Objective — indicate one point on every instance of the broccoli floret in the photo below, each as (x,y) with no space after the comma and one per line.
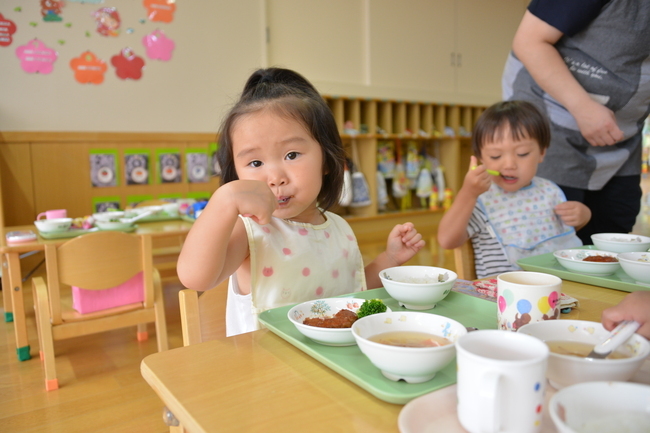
(371,306)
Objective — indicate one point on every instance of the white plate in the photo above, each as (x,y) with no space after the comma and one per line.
(436,412)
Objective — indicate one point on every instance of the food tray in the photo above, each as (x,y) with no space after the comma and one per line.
(350,363)
(548,263)
(71,233)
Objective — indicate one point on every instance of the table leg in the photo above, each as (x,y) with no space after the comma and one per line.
(17,300)
(6,292)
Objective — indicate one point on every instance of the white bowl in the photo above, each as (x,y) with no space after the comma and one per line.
(54,225)
(325,308)
(411,364)
(573,261)
(620,242)
(602,407)
(566,370)
(113,225)
(417,287)
(108,216)
(637,266)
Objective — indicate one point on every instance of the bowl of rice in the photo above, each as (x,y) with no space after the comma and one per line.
(418,287)
(621,242)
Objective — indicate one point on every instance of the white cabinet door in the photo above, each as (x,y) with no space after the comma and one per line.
(484,39)
(411,42)
(322,40)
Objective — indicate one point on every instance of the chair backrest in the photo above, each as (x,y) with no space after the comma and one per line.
(203,314)
(464,260)
(96,261)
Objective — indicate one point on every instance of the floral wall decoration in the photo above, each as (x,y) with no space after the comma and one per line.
(35,56)
(88,68)
(7,29)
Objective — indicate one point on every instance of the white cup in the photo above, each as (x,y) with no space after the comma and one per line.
(527,297)
(501,380)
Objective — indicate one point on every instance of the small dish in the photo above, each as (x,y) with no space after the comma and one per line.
(113,225)
(573,260)
(418,287)
(637,266)
(325,308)
(621,242)
(602,407)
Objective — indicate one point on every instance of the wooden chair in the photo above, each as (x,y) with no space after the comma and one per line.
(95,261)
(203,315)
(464,260)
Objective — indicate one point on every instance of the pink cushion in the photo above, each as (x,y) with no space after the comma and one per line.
(129,292)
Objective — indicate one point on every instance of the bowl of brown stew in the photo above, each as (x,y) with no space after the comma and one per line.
(589,262)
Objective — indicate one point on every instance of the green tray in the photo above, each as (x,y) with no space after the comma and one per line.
(548,263)
(71,233)
(350,363)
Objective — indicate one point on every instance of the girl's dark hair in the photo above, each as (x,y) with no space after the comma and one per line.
(289,94)
(523,118)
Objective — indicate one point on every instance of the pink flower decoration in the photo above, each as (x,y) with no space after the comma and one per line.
(35,56)
(158,45)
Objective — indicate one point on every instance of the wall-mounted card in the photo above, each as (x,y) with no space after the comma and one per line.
(136,166)
(215,168)
(105,204)
(169,166)
(196,162)
(103,167)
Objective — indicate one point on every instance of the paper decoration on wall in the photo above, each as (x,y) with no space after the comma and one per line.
(158,45)
(107,21)
(88,68)
(215,168)
(127,64)
(7,28)
(136,166)
(103,168)
(105,204)
(160,10)
(196,162)
(86,1)
(51,10)
(35,56)
(169,166)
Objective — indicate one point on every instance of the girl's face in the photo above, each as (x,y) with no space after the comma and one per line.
(516,160)
(280,152)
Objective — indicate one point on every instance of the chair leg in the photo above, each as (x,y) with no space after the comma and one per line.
(159,308)
(143,335)
(45,333)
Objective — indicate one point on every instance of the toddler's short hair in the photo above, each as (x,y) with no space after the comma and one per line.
(523,118)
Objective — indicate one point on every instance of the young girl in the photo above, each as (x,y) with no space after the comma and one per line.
(267,227)
(506,210)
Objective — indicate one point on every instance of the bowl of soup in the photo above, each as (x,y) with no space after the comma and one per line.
(418,287)
(570,341)
(408,345)
(621,242)
(589,262)
(601,407)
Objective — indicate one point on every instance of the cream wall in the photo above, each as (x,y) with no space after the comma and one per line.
(390,49)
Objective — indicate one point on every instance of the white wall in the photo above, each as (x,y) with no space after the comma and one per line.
(388,49)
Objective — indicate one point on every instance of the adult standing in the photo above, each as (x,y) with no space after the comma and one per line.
(586,64)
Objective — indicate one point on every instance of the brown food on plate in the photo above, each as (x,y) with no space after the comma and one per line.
(600,259)
(342,319)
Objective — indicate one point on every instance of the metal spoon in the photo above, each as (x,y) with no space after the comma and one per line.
(618,336)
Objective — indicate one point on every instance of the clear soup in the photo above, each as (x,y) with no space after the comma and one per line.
(580,350)
(409,339)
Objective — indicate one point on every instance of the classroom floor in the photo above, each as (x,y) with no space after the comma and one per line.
(101,386)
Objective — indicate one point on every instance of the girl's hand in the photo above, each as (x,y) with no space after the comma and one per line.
(635,306)
(252,198)
(573,213)
(477,180)
(403,243)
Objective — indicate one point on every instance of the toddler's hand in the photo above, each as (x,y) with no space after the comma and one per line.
(635,306)
(573,213)
(477,180)
(404,242)
(253,198)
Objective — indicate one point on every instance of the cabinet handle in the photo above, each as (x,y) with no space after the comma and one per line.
(459,59)
(453,59)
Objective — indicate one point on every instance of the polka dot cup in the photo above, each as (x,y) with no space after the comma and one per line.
(501,380)
(527,297)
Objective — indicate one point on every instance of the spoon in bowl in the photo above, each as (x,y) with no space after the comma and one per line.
(618,336)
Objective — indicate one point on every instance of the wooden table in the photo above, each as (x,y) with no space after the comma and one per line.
(259,382)
(12,287)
